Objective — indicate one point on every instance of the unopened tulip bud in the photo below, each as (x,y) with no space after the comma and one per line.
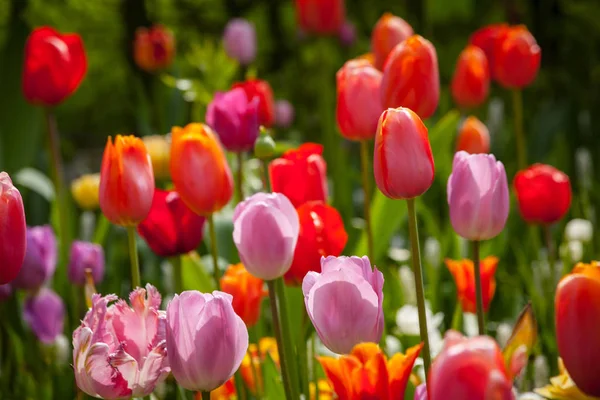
(264,147)
(85,255)
(13,236)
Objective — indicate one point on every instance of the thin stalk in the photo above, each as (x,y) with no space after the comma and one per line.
(239,182)
(303,363)
(551,253)
(418,271)
(177,274)
(278,338)
(266,180)
(457,318)
(133,256)
(365,162)
(213,250)
(286,336)
(478,290)
(239,385)
(205,395)
(313,353)
(519,133)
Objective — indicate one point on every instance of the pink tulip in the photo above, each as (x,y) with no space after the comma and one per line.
(478,196)
(265,231)
(421,392)
(120,351)
(206,339)
(284,113)
(44,312)
(345,302)
(40,258)
(13,240)
(239,41)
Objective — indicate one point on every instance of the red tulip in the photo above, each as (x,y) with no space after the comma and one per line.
(358,99)
(171,228)
(543,194)
(301,174)
(411,78)
(517,58)
(322,234)
(323,17)
(13,230)
(473,137)
(577,312)
(154,48)
(389,31)
(486,38)
(403,163)
(54,66)
(463,272)
(262,90)
(471,80)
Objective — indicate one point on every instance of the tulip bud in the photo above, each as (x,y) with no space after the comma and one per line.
(477,196)
(206,340)
(284,113)
(239,41)
(40,258)
(486,39)
(403,163)
(85,191)
(265,232)
(322,17)
(247,291)
(471,80)
(264,147)
(44,313)
(463,272)
(266,103)
(473,137)
(353,293)
(159,149)
(517,58)
(13,236)
(388,32)
(154,48)
(85,255)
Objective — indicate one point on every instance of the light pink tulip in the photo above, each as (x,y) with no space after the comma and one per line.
(239,41)
(265,232)
(206,339)
(120,351)
(478,196)
(345,302)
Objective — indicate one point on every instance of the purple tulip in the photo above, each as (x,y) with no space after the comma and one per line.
(284,113)
(239,41)
(478,196)
(40,258)
(86,255)
(235,119)
(206,339)
(5,291)
(345,302)
(44,312)
(265,232)
(347,34)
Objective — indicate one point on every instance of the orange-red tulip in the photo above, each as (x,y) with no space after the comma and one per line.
(321,17)
(154,48)
(473,137)
(517,58)
(387,33)
(126,181)
(199,169)
(577,312)
(486,38)
(411,78)
(366,373)
(471,80)
(247,291)
(463,272)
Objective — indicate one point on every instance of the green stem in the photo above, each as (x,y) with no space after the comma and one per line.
(478,290)
(239,385)
(457,318)
(315,375)
(177,274)
(519,134)
(239,192)
(303,362)
(278,338)
(551,254)
(365,162)
(266,180)
(213,250)
(286,336)
(418,271)
(133,256)
(205,395)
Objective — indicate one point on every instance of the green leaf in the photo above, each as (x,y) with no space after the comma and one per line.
(37,181)
(441,137)
(195,275)
(272,378)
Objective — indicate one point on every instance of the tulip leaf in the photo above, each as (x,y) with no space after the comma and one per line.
(524,334)
(273,384)
(37,181)
(195,275)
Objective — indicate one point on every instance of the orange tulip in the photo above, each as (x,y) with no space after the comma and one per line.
(471,80)
(126,181)
(463,272)
(199,169)
(366,373)
(387,33)
(154,48)
(323,388)
(577,312)
(247,292)
(517,57)
(473,137)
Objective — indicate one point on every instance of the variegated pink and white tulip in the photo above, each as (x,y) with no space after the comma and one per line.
(120,351)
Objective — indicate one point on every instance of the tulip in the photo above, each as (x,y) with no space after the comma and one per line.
(517,58)
(13,231)
(171,228)
(239,41)
(322,234)
(154,48)
(85,191)
(473,137)
(411,78)
(40,258)
(300,174)
(195,149)
(347,34)
(577,329)
(421,392)
(464,276)
(54,66)
(388,32)
(366,373)
(266,104)
(320,17)
(120,351)
(403,163)
(206,340)
(562,387)
(358,99)
(85,255)
(247,291)
(284,113)
(44,313)
(126,181)
(478,196)
(353,293)
(235,119)
(265,232)
(471,80)
(486,39)
(543,194)
(469,369)
(159,149)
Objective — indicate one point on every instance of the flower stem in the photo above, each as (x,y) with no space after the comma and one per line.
(205,395)
(550,250)
(519,134)
(239,384)
(365,162)
(278,338)
(286,336)
(177,274)
(478,290)
(266,180)
(239,192)
(418,271)
(213,250)
(133,256)
(313,353)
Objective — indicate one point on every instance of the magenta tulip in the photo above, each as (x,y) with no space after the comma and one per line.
(85,255)
(40,258)
(13,239)
(345,302)
(44,312)
(239,41)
